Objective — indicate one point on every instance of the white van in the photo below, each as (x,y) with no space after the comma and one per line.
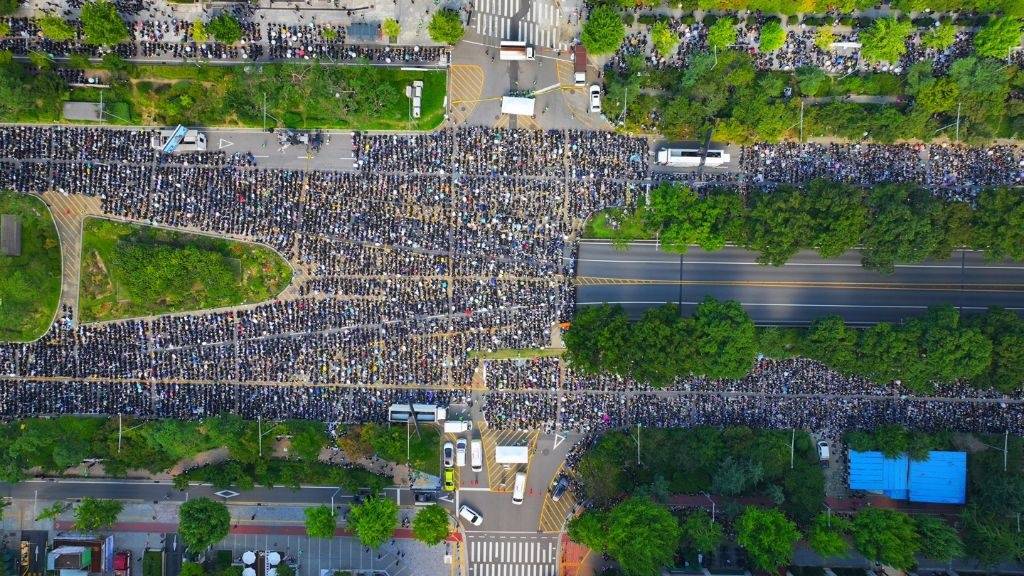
(519,488)
(476,455)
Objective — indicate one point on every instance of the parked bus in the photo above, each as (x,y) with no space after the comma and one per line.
(690,157)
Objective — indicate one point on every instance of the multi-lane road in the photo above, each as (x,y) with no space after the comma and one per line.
(806,288)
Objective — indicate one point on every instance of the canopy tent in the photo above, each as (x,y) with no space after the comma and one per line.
(517,105)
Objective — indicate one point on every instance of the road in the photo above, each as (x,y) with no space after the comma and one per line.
(806,288)
(163,491)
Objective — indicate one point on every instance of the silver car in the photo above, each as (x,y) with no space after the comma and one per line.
(449,455)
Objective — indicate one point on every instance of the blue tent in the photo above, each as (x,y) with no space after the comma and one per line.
(940,479)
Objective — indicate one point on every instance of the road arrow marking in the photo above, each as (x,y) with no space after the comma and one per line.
(222,144)
(558,440)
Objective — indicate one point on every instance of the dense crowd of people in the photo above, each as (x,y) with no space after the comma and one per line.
(436,247)
(800,48)
(165,37)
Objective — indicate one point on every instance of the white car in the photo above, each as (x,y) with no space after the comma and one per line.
(595,99)
(470,515)
(449,455)
(460,452)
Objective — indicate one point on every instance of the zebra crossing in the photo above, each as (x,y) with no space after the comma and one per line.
(539,27)
(512,557)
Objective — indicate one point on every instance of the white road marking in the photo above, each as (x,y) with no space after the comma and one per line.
(222,144)
(794,305)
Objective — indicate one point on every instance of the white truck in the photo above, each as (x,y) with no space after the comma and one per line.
(515,50)
(579,65)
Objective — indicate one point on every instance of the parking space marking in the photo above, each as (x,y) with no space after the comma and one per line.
(553,514)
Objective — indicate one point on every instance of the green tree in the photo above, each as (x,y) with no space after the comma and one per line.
(998,37)
(725,339)
(225,28)
(824,38)
(603,32)
(8,7)
(804,489)
(778,225)
(701,533)
(939,37)
(446,27)
(991,538)
(391,28)
(658,346)
(589,529)
(598,340)
(722,34)
(885,40)
(40,60)
(772,37)
(999,224)
(52,512)
(55,28)
(191,569)
(202,523)
(101,24)
(827,536)
(900,230)
(374,521)
(642,536)
(93,514)
(664,39)
(198,32)
(767,536)
(839,217)
(321,522)
(831,341)
(812,81)
(307,440)
(886,536)
(430,525)
(735,476)
(939,541)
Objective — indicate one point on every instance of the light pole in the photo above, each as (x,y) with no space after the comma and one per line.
(710,499)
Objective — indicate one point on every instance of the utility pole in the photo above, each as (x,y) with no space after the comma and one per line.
(407,440)
(1006,446)
(264,111)
(119,414)
(637,443)
(259,431)
(958,105)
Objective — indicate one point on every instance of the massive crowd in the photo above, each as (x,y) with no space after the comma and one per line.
(162,36)
(800,48)
(436,247)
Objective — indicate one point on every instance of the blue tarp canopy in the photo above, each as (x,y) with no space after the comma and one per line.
(940,479)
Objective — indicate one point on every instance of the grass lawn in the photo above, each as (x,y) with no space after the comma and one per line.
(297,96)
(152,563)
(599,227)
(313,95)
(133,270)
(30,283)
(520,354)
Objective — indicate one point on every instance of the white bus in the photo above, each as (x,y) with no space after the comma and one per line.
(192,141)
(515,50)
(690,157)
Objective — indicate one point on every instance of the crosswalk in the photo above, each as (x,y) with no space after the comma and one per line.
(538,26)
(513,557)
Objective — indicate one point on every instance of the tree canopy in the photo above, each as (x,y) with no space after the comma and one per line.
(603,32)
(430,525)
(939,540)
(101,24)
(664,39)
(642,536)
(939,37)
(225,28)
(886,536)
(998,37)
(374,521)
(446,27)
(885,40)
(321,522)
(772,37)
(700,532)
(93,514)
(767,536)
(827,535)
(55,28)
(202,523)
(722,33)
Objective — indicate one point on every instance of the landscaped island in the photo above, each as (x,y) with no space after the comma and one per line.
(133,270)
(29,282)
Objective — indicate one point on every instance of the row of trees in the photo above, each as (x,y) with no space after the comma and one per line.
(643,536)
(101,25)
(374,520)
(720,341)
(891,224)
(793,7)
(55,444)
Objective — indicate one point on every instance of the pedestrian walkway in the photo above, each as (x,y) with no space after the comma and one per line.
(493,555)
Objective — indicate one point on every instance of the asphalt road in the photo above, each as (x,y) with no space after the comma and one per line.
(337,155)
(805,288)
(151,490)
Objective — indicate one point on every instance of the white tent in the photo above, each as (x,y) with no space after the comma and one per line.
(517,105)
(511,454)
